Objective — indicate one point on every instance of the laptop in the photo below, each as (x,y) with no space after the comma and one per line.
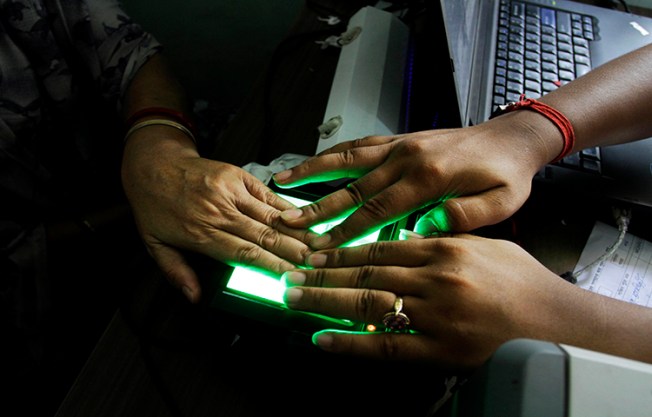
(499,49)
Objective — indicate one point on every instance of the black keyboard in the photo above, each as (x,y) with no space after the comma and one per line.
(540,49)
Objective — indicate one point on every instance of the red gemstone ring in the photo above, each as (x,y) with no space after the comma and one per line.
(396,321)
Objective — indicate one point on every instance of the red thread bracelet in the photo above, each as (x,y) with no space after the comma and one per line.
(555,116)
(162,111)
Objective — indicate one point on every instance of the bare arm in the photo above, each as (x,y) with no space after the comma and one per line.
(182,201)
(465,296)
(479,175)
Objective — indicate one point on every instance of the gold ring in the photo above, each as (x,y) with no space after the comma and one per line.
(396,320)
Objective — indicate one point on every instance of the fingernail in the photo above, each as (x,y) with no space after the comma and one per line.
(291,214)
(294,278)
(316,260)
(283,175)
(292,296)
(321,241)
(323,340)
(188,293)
(405,234)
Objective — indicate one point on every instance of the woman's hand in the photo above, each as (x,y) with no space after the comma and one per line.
(474,176)
(183,201)
(464,296)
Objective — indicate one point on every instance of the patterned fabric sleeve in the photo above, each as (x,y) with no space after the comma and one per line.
(111,44)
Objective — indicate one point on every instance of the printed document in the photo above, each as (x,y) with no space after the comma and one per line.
(626,274)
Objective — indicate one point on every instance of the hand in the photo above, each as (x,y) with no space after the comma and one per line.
(464,295)
(182,201)
(475,176)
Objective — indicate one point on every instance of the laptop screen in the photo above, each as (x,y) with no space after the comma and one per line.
(461,20)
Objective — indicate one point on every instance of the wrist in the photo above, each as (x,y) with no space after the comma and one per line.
(160,116)
(553,116)
(530,136)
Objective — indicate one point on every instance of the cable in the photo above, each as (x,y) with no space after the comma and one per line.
(611,4)
(622,217)
(625,6)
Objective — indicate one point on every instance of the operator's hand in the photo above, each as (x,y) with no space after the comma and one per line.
(183,201)
(464,296)
(474,176)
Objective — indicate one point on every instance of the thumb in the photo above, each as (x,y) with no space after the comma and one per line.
(177,271)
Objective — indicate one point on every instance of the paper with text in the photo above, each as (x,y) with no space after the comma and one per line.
(625,275)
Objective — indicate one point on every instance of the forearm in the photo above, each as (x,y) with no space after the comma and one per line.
(149,151)
(155,86)
(592,321)
(610,104)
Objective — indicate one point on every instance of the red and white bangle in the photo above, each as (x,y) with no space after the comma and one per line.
(555,116)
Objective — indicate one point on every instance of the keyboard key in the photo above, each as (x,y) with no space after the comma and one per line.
(548,47)
(564,38)
(580,42)
(518,9)
(566,75)
(512,97)
(572,160)
(533,76)
(515,66)
(564,22)
(565,47)
(514,87)
(566,66)
(591,166)
(579,59)
(581,69)
(565,56)
(532,65)
(549,67)
(548,57)
(548,17)
(533,86)
(591,153)
(581,50)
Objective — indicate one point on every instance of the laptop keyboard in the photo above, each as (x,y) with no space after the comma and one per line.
(540,49)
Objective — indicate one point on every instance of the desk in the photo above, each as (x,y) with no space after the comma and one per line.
(162,357)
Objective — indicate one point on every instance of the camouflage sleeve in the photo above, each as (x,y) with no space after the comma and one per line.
(113,46)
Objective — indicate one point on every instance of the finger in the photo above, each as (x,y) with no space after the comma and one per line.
(462,214)
(385,346)
(335,204)
(397,253)
(266,206)
(351,163)
(237,251)
(374,211)
(260,224)
(367,306)
(358,143)
(391,203)
(364,306)
(266,195)
(366,277)
(176,270)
